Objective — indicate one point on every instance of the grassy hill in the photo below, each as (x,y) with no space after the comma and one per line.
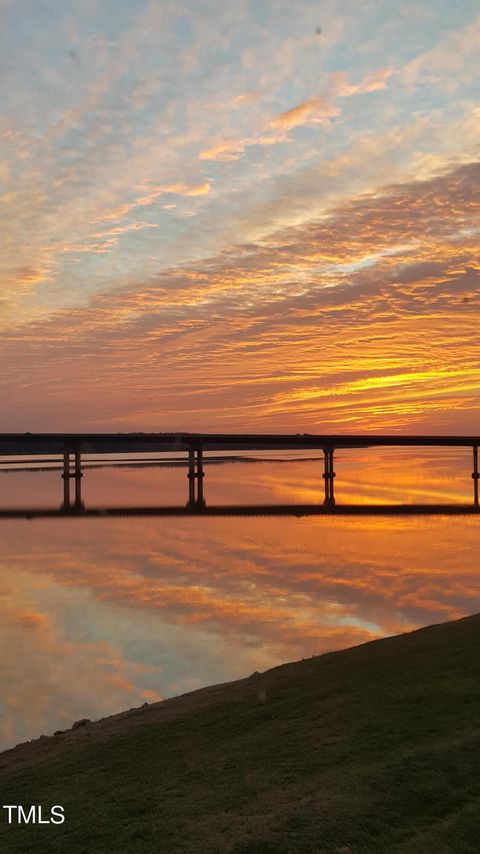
(372,749)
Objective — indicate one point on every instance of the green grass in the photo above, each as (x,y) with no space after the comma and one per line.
(369,750)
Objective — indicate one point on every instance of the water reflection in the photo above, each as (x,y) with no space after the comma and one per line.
(384,476)
(101,615)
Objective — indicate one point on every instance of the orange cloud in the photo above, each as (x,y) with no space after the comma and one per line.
(372,82)
(175,189)
(229,150)
(319,109)
(234,149)
(189,190)
(155,193)
(316,110)
(123,229)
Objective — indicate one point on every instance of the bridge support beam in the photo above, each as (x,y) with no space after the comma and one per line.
(195,478)
(475,475)
(328,477)
(66,480)
(200,476)
(191,478)
(67,475)
(78,480)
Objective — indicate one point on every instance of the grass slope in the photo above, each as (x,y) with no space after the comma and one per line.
(372,749)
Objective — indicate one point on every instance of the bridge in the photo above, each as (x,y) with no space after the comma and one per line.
(71,447)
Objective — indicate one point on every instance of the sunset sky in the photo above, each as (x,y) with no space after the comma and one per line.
(240,215)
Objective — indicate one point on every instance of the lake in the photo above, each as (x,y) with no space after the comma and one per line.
(100,615)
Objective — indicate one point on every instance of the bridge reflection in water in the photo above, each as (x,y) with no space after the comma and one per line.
(298,510)
(71,447)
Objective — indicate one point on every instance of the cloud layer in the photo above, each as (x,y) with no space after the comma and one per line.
(364,319)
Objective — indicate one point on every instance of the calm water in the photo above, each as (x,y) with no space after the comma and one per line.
(99,615)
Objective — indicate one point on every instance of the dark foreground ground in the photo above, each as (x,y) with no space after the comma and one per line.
(373,749)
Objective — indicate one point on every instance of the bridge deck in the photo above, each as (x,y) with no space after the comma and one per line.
(111,443)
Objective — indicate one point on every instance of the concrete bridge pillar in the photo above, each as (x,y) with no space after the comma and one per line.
(328,477)
(195,478)
(191,478)
(66,480)
(67,475)
(475,475)
(78,480)
(200,476)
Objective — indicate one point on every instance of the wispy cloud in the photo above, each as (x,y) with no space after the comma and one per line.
(317,110)
(448,63)
(314,110)
(296,195)
(374,81)
(365,315)
(155,193)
